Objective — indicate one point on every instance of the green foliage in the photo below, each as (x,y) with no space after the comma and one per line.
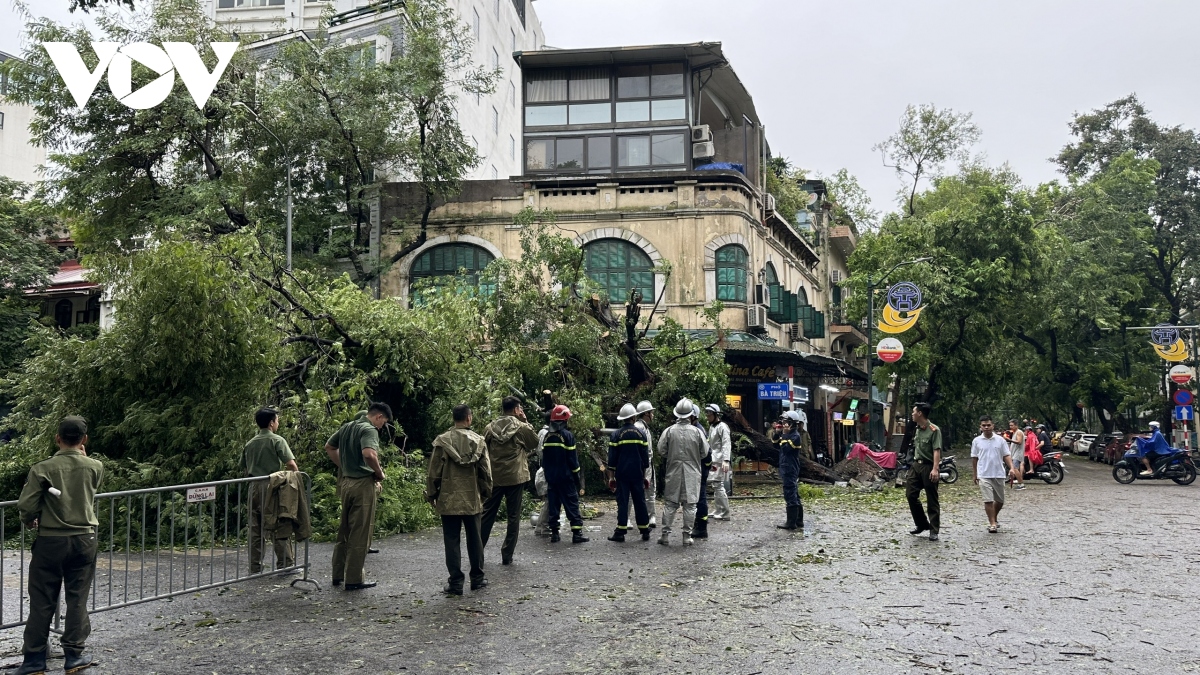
(928,139)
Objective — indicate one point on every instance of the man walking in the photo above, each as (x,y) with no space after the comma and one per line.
(57,502)
(354,449)
(683,448)
(628,455)
(990,458)
(263,455)
(509,440)
(925,474)
(564,481)
(721,448)
(459,480)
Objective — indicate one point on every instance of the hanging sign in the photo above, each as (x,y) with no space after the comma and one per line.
(1181,374)
(890,350)
(903,308)
(1168,344)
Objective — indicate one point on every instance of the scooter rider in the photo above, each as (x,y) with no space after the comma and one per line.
(1153,444)
(628,456)
(790,446)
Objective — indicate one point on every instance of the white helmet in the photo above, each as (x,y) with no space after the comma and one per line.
(695,411)
(627,411)
(713,408)
(644,407)
(683,408)
(1155,425)
(795,416)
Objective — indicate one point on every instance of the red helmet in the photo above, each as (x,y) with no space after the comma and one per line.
(561,413)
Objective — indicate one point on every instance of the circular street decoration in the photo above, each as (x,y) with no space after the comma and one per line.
(904,296)
(1180,374)
(1164,335)
(889,350)
(1183,397)
(1176,352)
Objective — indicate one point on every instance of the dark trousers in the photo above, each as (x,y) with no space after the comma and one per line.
(790,475)
(918,479)
(632,486)
(511,494)
(702,503)
(60,561)
(354,531)
(452,526)
(564,495)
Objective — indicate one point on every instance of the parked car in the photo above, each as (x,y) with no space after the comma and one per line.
(1083,444)
(1056,439)
(1097,451)
(1067,442)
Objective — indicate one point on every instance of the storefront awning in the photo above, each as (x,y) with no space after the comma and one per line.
(826,367)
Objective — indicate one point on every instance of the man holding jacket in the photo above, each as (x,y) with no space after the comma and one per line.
(509,440)
(459,480)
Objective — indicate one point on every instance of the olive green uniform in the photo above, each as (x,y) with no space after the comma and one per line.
(263,455)
(356,488)
(64,553)
(925,441)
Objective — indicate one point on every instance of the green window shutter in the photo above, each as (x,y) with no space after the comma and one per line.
(818,324)
(775,309)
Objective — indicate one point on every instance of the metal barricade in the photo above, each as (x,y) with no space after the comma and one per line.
(161,542)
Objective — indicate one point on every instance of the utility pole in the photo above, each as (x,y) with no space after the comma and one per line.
(871,285)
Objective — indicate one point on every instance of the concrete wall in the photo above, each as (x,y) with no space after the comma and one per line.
(19,157)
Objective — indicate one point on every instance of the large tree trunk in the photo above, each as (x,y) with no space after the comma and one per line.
(764,450)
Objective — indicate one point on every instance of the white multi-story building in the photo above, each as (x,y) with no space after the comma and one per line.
(499,28)
(20,158)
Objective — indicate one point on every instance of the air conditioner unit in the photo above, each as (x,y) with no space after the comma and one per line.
(836,276)
(770,202)
(756,316)
(705,150)
(701,133)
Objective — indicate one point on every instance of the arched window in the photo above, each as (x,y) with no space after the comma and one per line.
(448,260)
(731,273)
(801,297)
(64,311)
(619,267)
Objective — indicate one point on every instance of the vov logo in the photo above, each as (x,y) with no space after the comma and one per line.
(117,60)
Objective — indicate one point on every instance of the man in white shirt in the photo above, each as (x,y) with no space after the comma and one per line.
(989,459)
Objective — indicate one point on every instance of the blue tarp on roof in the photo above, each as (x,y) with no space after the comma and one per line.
(722,166)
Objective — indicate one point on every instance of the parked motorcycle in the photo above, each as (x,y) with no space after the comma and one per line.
(948,469)
(824,459)
(1177,466)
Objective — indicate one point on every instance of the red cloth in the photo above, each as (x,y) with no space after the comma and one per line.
(887,460)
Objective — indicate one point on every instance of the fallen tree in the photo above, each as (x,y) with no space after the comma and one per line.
(763,450)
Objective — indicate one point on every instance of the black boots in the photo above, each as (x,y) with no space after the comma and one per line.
(795,518)
(618,536)
(700,529)
(578,538)
(554,538)
(34,664)
(76,661)
(645,533)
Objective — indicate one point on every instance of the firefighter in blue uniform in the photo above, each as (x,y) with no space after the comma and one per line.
(560,464)
(790,445)
(629,456)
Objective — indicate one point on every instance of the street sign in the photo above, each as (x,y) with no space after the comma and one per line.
(773,391)
(890,350)
(1181,374)
(1183,413)
(1183,397)
(202,494)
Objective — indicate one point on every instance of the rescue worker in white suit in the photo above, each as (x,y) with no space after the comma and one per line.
(645,411)
(721,448)
(683,447)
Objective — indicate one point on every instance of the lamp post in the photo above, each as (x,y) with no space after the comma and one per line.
(871,285)
(283,147)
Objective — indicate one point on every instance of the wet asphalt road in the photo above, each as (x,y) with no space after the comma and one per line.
(1085,577)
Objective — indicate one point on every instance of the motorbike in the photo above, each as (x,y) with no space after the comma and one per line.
(1050,470)
(1177,466)
(824,459)
(948,469)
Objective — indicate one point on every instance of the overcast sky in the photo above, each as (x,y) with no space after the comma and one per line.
(830,79)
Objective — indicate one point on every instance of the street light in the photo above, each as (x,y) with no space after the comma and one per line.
(870,327)
(283,147)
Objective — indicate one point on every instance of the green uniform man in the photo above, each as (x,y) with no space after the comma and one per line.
(263,455)
(354,448)
(57,501)
(925,474)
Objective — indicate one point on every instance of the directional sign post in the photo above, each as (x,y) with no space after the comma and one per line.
(773,391)
(1183,413)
